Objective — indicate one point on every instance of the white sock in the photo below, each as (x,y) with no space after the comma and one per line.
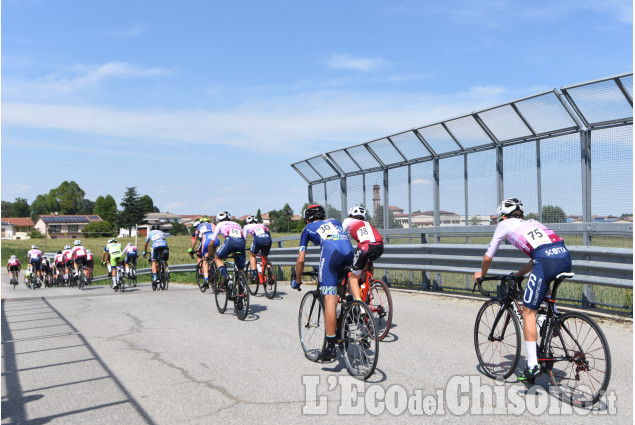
(114,282)
(532,355)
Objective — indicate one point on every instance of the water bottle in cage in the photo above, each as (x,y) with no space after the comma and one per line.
(540,319)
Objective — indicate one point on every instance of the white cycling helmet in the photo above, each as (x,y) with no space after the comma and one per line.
(13,257)
(251,219)
(67,247)
(88,251)
(223,216)
(33,246)
(130,244)
(77,242)
(112,240)
(508,206)
(357,212)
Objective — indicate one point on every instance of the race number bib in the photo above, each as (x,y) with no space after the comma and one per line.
(157,237)
(537,237)
(327,230)
(259,231)
(365,234)
(235,233)
(80,252)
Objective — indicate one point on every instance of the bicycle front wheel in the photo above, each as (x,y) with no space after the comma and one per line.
(253,283)
(360,342)
(581,366)
(270,285)
(221,294)
(311,325)
(497,340)
(241,300)
(379,301)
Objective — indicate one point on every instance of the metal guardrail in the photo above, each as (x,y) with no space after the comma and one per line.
(178,268)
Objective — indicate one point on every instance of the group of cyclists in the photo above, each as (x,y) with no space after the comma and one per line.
(547,252)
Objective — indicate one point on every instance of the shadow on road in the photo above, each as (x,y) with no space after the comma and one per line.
(22,359)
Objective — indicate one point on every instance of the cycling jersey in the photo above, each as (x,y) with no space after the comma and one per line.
(362,231)
(115,252)
(234,242)
(34,254)
(130,254)
(13,264)
(89,259)
(157,237)
(68,256)
(59,260)
(526,235)
(203,228)
(78,252)
(335,255)
(261,243)
(549,255)
(204,232)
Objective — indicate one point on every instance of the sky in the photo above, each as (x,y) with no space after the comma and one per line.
(203,105)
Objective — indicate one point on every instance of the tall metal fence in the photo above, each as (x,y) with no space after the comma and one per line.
(566,153)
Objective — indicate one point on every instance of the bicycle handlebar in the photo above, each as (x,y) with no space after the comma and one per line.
(501,278)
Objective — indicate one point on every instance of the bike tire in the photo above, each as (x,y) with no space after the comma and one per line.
(163,276)
(200,279)
(253,284)
(360,342)
(241,300)
(270,285)
(498,359)
(311,325)
(81,281)
(213,276)
(583,377)
(221,294)
(379,300)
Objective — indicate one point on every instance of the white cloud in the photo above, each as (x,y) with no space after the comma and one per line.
(132,32)
(421,181)
(350,62)
(175,205)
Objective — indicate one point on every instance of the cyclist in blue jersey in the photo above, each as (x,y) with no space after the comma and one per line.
(335,256)
(234,243)
(207,247)
(159,247)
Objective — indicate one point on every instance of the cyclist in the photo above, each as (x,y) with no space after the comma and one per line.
(67,255)
(34,258)
(159,247)
(370,245)
(59,263)
(335,255)
(203,233)
(90,263)
(234,243)
(130,255)
(549,257)
(261,244)
(13,267)
(46,268)
(113,253)
(79,257)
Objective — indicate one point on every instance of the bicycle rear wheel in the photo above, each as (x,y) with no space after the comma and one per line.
(379,301)
(253,283)
(311,325)
(221,295)
(499,353)
(163,276)
(200,279)
(581,369)
(360,342)
(241,300)
(270,285)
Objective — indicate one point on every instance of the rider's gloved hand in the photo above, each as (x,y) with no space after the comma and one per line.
(189,251)
(144,253)
(295,284)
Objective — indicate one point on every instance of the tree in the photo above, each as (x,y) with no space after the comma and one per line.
(474,221)
(178,229)
(332,212)
(36,234)
(146,205)
(69,196)
(45,204)
(553,214)
(20,208)
(106,208)
(7,207)
(281,219)
(378,219)
(87,206)
(258,216)
(531,216)
(132,213)
(99,229)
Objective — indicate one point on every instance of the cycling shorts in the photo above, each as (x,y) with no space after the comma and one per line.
(115,258)
(334,258)
(160,251)
(548,262)
(206,241)
(131,257)
(60,264)
(37,263)
(14,268)
(366,251)
(80,261)
(261,245)
(233,245)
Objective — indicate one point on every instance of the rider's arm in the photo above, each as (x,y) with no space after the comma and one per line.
(526,269)
(299,266)
(487,262)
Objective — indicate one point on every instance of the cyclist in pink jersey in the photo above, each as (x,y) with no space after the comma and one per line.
(370,245)
(261,243)
(549,257)
(234,243)
(34,259)
(14,266)
(79,256)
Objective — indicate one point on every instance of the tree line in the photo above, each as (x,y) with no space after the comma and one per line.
(68,199)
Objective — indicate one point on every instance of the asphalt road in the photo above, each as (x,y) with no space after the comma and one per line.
(145,357)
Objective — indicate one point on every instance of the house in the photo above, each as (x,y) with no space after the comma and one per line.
(16,227)
(64,226)
(190,220)
(164,220)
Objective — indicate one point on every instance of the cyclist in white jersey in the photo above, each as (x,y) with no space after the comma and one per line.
(549,257)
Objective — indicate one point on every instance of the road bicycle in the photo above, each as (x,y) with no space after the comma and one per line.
(132,275)
(34,281)
(14,279)
(235,289)
(572,349)
(265,276)
(81,277)
(357,335)
(212,272)
(376,295)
